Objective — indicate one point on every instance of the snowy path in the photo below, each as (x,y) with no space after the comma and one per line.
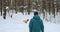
(16,24)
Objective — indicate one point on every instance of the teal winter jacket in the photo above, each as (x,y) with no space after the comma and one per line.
(36,24)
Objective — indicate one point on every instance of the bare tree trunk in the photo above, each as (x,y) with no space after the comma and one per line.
(43,7)
(53,10)
(29,6)
(4,14)
(49,4)
(1,7)
(15,7)
(4,9)
(22,6)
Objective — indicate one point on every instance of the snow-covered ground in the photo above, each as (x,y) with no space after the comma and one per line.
(16,24)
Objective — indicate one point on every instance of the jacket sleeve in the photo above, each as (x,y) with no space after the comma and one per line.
(42,26)
(30,25)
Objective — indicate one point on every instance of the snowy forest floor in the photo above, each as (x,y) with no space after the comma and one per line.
(16,24)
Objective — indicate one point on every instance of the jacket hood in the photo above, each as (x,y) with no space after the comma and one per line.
(36,17)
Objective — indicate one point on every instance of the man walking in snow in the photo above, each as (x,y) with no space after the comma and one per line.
(36,24)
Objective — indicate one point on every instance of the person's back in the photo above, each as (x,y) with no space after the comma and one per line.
(36,24)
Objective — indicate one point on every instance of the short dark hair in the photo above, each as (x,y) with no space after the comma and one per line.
(35,13)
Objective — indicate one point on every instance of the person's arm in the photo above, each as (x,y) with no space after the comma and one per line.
(30,26)
(42,26)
